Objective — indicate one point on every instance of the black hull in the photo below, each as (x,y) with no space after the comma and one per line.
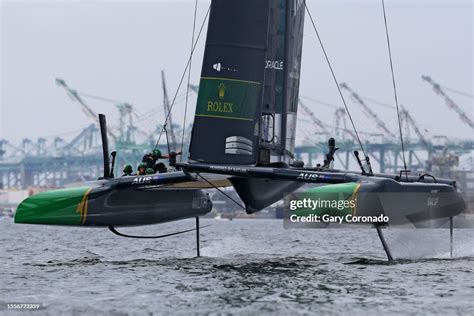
(128,207)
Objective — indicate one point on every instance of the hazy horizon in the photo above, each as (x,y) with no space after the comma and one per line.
(117,49)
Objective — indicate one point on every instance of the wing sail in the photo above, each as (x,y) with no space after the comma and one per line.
(282,79)
(230,90)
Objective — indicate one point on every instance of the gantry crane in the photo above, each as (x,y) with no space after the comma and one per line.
(74,95)
(368,111)
(127,129)
(449,102)
(410,121)
(314,119)
(340,114)
(340,122)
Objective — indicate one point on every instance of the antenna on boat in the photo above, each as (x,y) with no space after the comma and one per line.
(114,155)
(105,145)
(356,154)
(330,155)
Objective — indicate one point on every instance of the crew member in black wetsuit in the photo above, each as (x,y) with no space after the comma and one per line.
(151,160)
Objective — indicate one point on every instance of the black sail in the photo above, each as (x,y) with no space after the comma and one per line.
(279,104)
(226,124)
(248,93)
(282,78)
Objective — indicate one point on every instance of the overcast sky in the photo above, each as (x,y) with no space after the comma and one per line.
(116,49)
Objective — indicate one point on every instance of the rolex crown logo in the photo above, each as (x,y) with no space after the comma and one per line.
(221,91)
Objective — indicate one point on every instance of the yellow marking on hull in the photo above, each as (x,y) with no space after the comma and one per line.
(228,79)
(354,197)
(224,117)
(84,216)
(83,205)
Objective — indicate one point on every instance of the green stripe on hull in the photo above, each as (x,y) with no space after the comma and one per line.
(56,207)
(334,199)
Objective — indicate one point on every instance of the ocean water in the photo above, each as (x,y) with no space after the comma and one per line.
(247,267)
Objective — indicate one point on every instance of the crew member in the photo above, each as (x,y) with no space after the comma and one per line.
(142,169)
(127,170)
(160,168)
(151,158)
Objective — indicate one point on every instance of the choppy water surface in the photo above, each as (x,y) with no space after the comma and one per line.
(248,266)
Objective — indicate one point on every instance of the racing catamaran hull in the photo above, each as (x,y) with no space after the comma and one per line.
(126,201)
(403,202)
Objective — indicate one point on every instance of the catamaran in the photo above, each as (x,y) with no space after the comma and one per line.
(243,136)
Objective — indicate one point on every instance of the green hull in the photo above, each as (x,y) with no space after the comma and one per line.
(125,201)
(57,207)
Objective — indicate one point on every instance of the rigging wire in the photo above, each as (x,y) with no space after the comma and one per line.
(167,140)
(335,80)
(189,79)
(394,88)
(222,192)
(182,77)
(147,115)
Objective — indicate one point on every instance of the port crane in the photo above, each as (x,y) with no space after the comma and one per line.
(314,119)
(341,126)
(368,111)
(74,95)
(449,102)
(410,121)
(127,128)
